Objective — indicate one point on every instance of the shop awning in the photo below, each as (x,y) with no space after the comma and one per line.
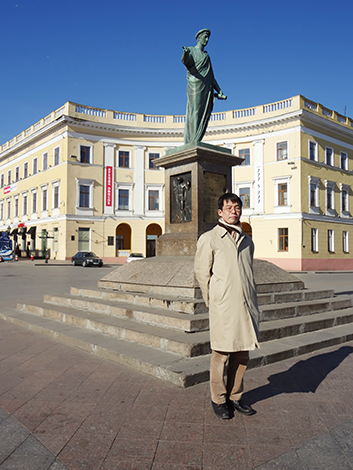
(31,230)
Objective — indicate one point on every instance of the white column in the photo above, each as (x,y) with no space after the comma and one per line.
(108,190)
(139,206)
(259,175)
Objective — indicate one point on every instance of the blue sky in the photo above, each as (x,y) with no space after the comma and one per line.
(126,55)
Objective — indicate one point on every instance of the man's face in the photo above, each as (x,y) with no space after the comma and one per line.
(230,213)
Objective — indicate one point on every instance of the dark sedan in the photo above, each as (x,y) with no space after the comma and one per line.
(86,258)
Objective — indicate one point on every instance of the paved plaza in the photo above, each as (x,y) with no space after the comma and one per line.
(62,408)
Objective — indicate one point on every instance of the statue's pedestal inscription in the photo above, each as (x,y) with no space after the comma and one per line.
(195,176)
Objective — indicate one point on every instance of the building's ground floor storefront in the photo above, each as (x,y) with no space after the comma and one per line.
(110,239)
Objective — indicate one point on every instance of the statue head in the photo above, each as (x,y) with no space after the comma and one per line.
(201,32)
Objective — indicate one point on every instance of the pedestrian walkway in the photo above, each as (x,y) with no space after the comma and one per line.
(69,409)
(62,408)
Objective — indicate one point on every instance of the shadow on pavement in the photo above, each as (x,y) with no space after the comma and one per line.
(303,377)
(347,292)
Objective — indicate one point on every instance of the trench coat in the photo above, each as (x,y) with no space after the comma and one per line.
(224,270)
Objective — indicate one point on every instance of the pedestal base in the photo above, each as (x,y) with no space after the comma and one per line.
(174,276)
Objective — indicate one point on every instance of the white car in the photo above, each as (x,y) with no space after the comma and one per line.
(134,257)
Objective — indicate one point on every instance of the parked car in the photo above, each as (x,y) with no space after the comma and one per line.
(86,258)
(134,257)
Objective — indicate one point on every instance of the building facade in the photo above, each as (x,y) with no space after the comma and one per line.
(84,178)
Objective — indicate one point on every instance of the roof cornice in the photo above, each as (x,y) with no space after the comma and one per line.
(32,137)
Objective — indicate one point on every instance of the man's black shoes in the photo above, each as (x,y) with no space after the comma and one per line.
(221,411)
(241,407)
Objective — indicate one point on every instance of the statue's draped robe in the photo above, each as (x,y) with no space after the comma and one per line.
(200,86)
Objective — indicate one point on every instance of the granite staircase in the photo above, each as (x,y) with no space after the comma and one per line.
(167,335)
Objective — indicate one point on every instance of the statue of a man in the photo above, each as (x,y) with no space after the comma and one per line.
(201,84)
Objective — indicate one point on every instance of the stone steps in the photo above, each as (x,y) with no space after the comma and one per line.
(191,305)
(149,315)
(173,367)
(171,340)
(186,344)
(302,308)
(294,296)
(170,303)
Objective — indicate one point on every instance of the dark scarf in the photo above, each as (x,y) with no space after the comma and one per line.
(234,230)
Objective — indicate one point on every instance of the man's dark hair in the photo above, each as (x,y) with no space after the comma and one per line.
(229,197)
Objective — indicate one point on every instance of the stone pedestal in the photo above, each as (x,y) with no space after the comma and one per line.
(195,176)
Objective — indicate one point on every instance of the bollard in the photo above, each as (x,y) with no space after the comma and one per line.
(16,258)
(31,256)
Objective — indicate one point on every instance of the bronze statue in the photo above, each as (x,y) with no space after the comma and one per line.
(201,84)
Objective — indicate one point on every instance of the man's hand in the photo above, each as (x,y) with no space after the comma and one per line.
(185,49)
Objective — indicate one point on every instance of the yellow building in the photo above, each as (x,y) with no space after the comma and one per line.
(86,177)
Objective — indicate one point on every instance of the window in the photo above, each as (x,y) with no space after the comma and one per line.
(25,170)
(34,202)
(35,166)
(314,194)
(344,199)
(283,239)
(330,241)
(244,194)
(330,197)
(17,173)
(24,205)
(45,161)
(85,154)
(153,200)
(44,199)
(245,153)
(9,208)
(344,161)
(344,189)
(56,197)
(152,157)
(16,207)
(83,239)
(123,200)
(84,196)
(282,194)
(2,180)
(329,156)
(57,156)
(124,159)
(1,210)
(282,150)
(314,240)
(313,151)
(345,242)
(9,177)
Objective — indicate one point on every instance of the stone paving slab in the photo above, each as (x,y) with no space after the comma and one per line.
(90,413)
(19,450)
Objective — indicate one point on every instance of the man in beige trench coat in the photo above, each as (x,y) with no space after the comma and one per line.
(224,270)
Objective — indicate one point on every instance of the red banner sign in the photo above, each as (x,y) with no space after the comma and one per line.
(109,186)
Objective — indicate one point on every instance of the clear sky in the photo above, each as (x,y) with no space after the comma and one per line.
(125,55)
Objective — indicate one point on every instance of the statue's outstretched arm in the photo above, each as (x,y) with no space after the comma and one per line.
(219,95)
